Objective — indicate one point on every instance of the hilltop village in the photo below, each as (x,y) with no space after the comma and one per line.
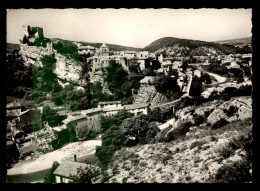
(31,133)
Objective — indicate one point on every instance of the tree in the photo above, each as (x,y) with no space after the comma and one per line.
(184,65)
(205,77)
(167,86)
(50,177)
(196,86)
(156,64)
(50,116)
(138,130)
(83,176)
(120,131)
(116,76)
(148,72)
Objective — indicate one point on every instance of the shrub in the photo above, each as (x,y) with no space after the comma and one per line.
(199,119)
(231,110)
(243,141)
(50,177)
(219,124)
(197,144)
(217,68)
(236,172)
(178,132)
(225,152)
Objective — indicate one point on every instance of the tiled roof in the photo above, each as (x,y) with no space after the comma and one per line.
(113,108)
(136,106)
(73,118)
(68,168)
(86,47)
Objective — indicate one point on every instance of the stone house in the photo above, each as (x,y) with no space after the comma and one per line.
(86,50)
(22,120)
(103,51)
(93,118)
(109,104)
(137,108)
(77,122)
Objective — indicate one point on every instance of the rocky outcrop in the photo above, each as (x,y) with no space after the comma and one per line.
(67,69)
(244,110)
(149,95)
(221,87)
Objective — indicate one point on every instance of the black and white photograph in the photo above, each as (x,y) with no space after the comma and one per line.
(128,95)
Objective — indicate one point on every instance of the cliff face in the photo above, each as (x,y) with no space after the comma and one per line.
(149,95)
(67,69)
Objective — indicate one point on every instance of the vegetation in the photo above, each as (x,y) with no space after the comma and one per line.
(238,171)
(205,77)
(231,110)
(167,86)
(67,48)
(51,116)
(83,176)
(217,68)
(50,177)
(196,86)
(119,83)
(121,131)
(179,132)
(194,45)
(219,124)
(18,76)
(237,73)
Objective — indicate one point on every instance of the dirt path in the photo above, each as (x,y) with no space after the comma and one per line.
(64,153)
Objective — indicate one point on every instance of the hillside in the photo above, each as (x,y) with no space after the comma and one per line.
(97,45)
(207,153)
(239,41)
(190,47)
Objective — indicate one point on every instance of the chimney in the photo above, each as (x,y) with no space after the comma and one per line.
(75,158)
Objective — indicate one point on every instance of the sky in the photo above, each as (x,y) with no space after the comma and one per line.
(131,27)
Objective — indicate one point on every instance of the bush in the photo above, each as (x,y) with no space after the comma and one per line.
(236,172)
(83,176)
(167,86)
(219,124)
(197,144)
(225,152)
(199,119)
(243,141)
(205,77)
(180,131)
(217,68)
(50,177)
(231,110)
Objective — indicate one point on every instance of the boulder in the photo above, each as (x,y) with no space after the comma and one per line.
(244,113)
(216,115)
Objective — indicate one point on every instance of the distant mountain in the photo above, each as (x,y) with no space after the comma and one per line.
(239,41)
(97,45)
(190,47)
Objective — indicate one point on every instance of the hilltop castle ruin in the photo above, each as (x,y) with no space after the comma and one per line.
(34,45)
